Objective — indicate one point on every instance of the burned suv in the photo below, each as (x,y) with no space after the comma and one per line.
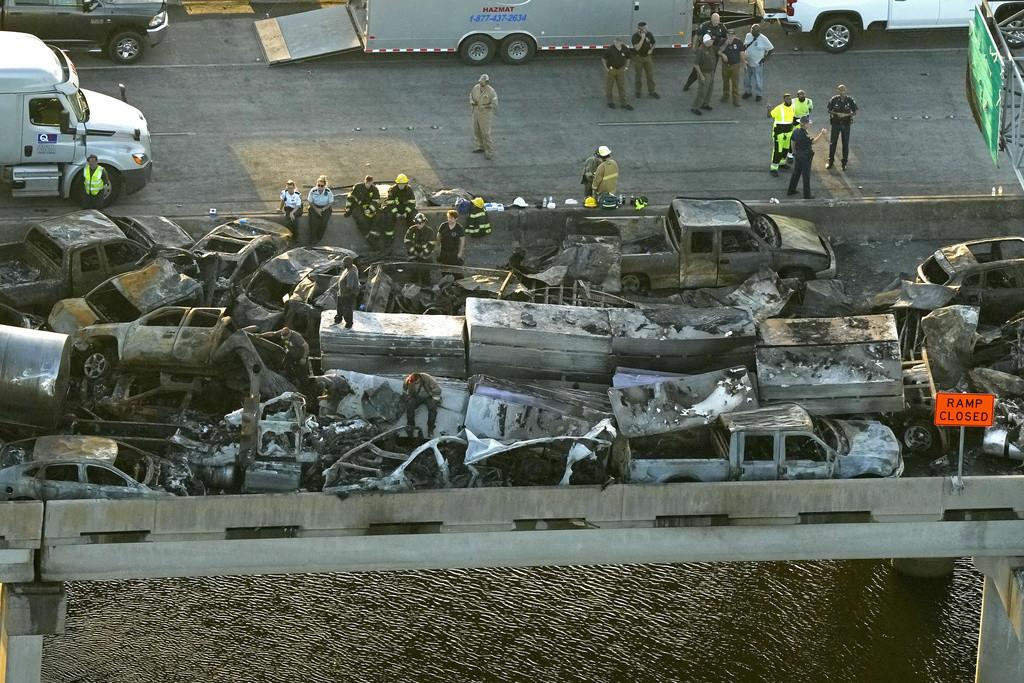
(984,273)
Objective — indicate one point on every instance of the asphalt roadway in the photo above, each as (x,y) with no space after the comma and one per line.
(228,130)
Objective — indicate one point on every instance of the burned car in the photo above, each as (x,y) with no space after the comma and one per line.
(66,479)
(713,243)
(985,273)
(154,231)
(303,274)
(174,339)
(150,470)
(778,442)
(126,297)
(230,253)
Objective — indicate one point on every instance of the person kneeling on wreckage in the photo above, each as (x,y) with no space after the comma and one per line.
(420,389)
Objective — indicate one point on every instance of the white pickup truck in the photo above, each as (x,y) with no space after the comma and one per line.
(837,22)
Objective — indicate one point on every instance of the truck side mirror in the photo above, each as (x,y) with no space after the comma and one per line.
(65,123)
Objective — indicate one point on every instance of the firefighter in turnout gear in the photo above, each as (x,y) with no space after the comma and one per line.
(783,117)
(419,240)
(478,224)
(402,201)
(363,204)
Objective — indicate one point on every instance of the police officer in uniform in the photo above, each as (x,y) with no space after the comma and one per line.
(803,149)
(484,102)
(841,109)
(96,184)
(782,117)
(478,225)
(363,204)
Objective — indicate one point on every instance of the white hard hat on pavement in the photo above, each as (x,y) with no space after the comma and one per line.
(520,202)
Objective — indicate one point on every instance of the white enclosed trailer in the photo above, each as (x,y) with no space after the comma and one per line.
(477,30)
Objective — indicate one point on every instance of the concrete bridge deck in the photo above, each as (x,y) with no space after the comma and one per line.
(622,524)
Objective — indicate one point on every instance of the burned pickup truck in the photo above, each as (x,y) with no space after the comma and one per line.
(63,257)
(779,442)
(175,339)
(712,243)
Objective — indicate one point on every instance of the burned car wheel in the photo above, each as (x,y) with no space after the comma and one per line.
(97,363)
(918,437)
(633,283)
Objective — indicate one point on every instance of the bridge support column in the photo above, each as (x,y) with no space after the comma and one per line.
(1001,637)
(28,611)
(924,567)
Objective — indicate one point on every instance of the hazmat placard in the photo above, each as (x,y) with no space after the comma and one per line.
(964,410)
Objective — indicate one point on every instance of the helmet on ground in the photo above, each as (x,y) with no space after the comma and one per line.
(590,203)
(420,217)
(402,178)
(608,201)
(639,203)
(520,203)
(603,151)
(478,202)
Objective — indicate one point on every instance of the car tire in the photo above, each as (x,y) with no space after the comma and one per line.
(918,437)
(518,48)
(126,47)
(477,49)
(632,283)
(98,362)
(837,34)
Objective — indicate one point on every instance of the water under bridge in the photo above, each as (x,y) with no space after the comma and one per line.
(45,544)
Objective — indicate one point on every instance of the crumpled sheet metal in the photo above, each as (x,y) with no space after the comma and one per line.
(595,260)
(291,266)
(763,295)
(377,397)
(508,416)
(397,480)
(584,446)
(156,284)
(914,295)
(684,403)
(950,334)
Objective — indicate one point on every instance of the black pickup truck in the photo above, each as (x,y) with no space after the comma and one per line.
(123,29)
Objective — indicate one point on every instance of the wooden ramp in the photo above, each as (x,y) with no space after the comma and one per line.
(306,35)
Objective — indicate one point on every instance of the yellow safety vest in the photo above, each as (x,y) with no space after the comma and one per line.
(783,113)
(93,180)
(802,108)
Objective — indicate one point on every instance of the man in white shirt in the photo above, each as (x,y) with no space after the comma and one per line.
(757,49)
(291,205)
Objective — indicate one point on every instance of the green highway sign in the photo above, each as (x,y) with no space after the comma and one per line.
(985,82)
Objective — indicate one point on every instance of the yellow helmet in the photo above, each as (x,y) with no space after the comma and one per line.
(478,202)
(590,203)
(402,178)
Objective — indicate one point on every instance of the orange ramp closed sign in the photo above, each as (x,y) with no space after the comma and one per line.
(964,410)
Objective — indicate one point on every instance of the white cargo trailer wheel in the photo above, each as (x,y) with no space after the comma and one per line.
(477,49)
(518,48)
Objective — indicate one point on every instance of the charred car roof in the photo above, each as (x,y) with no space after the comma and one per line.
(788,416)
(80,228)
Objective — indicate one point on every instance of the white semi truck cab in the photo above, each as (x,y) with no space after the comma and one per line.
(50,126)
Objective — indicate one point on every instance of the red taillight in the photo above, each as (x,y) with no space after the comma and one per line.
(789,7)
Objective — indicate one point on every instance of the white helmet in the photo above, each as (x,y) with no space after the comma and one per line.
(603,151)
(420,217)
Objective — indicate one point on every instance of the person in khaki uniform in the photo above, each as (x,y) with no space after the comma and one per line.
(484,101)
(616,63)
(606,177)
(643,46)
